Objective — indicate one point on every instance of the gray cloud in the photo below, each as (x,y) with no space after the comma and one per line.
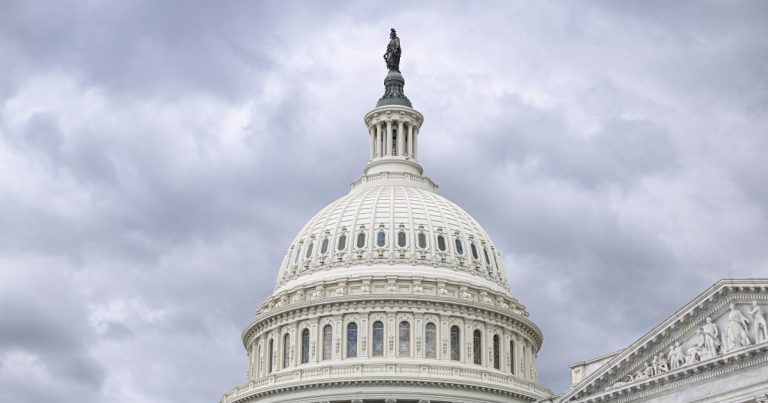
(159,158)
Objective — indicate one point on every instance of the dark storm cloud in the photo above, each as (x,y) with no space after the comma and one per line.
(159,158)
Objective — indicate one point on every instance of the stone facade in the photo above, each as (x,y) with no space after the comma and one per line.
(715,349)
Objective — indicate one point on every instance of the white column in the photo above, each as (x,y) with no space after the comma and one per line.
(372,132)
(251,361)
(388,140)
(415,143)
(314,346)
(400,139)
(378,140)
(410,140)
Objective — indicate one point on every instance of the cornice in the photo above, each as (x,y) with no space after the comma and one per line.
(350,375)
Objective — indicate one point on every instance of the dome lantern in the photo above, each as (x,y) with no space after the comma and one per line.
(393,126)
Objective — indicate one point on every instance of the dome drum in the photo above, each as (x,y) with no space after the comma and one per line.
(306,337)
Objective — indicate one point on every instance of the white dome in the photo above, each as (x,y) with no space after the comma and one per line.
(391,292)
(391,226)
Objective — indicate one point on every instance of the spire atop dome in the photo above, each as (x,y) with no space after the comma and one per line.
(393,127)
(394,82)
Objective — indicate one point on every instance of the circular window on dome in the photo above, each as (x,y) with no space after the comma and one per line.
(324,246)
(360,240)
(487,259)
(441,243)
(459,246)
(381,238)
(473,248)
(342,242)
(421,240)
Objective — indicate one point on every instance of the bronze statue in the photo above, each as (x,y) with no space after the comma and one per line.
(392,57)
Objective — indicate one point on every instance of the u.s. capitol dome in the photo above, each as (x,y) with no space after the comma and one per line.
(392,293)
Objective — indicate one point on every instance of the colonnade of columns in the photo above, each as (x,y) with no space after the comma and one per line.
(393,138)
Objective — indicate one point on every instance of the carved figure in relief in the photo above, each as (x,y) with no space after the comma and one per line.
(760,326)
(663,364)
(736,335)
(645,373)
(702,352)
(711,335)
(675,356)
(693,354)
(627,380)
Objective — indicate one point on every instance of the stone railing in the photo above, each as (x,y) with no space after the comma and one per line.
(363,372)
(422,180)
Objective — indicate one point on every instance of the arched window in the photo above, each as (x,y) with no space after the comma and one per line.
(381,239)
(308,254)
(361,240)
(422,240)
(405,339)
(441,243)
(474,250)
(271,353)
(342,242)
(324,246)
(512,356)
(378,339)
(305,346)
(487,259)
(327,341)
(352,340)
(477,341)
(430,341)
(455,343)
(286,350)
(459,246)
(496,352)
(401,239)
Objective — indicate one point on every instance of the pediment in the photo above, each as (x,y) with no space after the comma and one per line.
(716,329)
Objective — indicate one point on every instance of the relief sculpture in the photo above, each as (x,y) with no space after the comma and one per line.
(761,328)
(707,343)
(736,335)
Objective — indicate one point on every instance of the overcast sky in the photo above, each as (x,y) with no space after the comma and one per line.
(157,158)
